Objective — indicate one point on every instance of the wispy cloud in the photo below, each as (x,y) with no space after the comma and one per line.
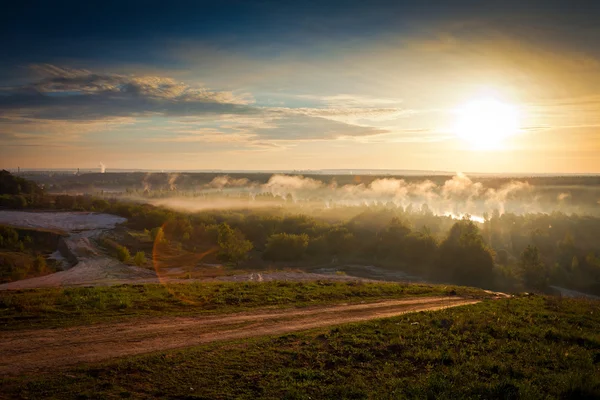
(71,103)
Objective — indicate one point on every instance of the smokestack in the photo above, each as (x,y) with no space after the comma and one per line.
(102,167)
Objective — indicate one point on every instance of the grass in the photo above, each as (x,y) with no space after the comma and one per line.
(44,308)
(523,348)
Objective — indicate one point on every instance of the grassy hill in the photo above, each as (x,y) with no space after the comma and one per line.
(529,347)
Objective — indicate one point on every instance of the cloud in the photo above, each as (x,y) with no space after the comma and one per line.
(303,127)
(69,94)
(352,100)
(68,101)
(350,115)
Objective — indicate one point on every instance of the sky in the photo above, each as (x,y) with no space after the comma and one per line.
(298,85)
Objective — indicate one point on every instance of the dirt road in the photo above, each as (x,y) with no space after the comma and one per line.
(51,349)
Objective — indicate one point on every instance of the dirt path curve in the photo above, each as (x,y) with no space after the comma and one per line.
(49,349)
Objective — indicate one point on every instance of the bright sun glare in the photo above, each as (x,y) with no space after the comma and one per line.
(485,123)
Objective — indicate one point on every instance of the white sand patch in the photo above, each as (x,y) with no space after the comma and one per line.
(99,271)
(93,267)
(62,262)
(288,276)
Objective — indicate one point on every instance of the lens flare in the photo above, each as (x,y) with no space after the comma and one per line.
(162,253)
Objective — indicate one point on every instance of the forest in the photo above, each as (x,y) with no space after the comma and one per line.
(504,251)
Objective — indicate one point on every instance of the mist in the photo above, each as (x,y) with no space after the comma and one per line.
(457,196)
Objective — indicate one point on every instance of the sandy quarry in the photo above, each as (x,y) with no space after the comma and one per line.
(52,349)
(95,268)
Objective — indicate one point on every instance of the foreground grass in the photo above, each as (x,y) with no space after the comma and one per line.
(529,348)
(42,308)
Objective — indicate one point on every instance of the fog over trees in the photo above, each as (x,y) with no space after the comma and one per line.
(500,249)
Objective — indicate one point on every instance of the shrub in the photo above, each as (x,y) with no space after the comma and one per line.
(39,264)
(123,254)
(140,258)
(157,233)
(232,243)
(286,247)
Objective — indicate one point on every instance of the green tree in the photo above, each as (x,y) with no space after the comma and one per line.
(286,247)
(464,257)
(391,239)
(532,269)
(233,246)
(339,241)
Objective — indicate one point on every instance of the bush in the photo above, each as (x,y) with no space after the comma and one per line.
(140,258)
(39,264)
(286,247)
(232,243)
(157,233)
(123,254)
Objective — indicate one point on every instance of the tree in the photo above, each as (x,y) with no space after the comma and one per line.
(419,248)
(232,244)
(15,185)
(464,257)
(391,239)
(339,241)
(533,271)
(286,247)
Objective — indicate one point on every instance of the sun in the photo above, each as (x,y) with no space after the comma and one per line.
(485,123)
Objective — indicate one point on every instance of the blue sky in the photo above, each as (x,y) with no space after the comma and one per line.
(297,85)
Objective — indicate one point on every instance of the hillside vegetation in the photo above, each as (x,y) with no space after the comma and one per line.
(524,348)
(23,253)
(42,308)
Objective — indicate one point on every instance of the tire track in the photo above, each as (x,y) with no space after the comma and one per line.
(51,349)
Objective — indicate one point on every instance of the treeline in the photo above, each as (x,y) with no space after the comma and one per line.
(461,252)
(507,252)
(16,192)
(192,180)
(563,249)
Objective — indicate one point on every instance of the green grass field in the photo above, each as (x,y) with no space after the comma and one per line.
(43,308)
(523,348)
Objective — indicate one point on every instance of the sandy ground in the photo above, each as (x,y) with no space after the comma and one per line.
(52,349)
(373,272)
(288,276)
(100,271)
(94,268)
